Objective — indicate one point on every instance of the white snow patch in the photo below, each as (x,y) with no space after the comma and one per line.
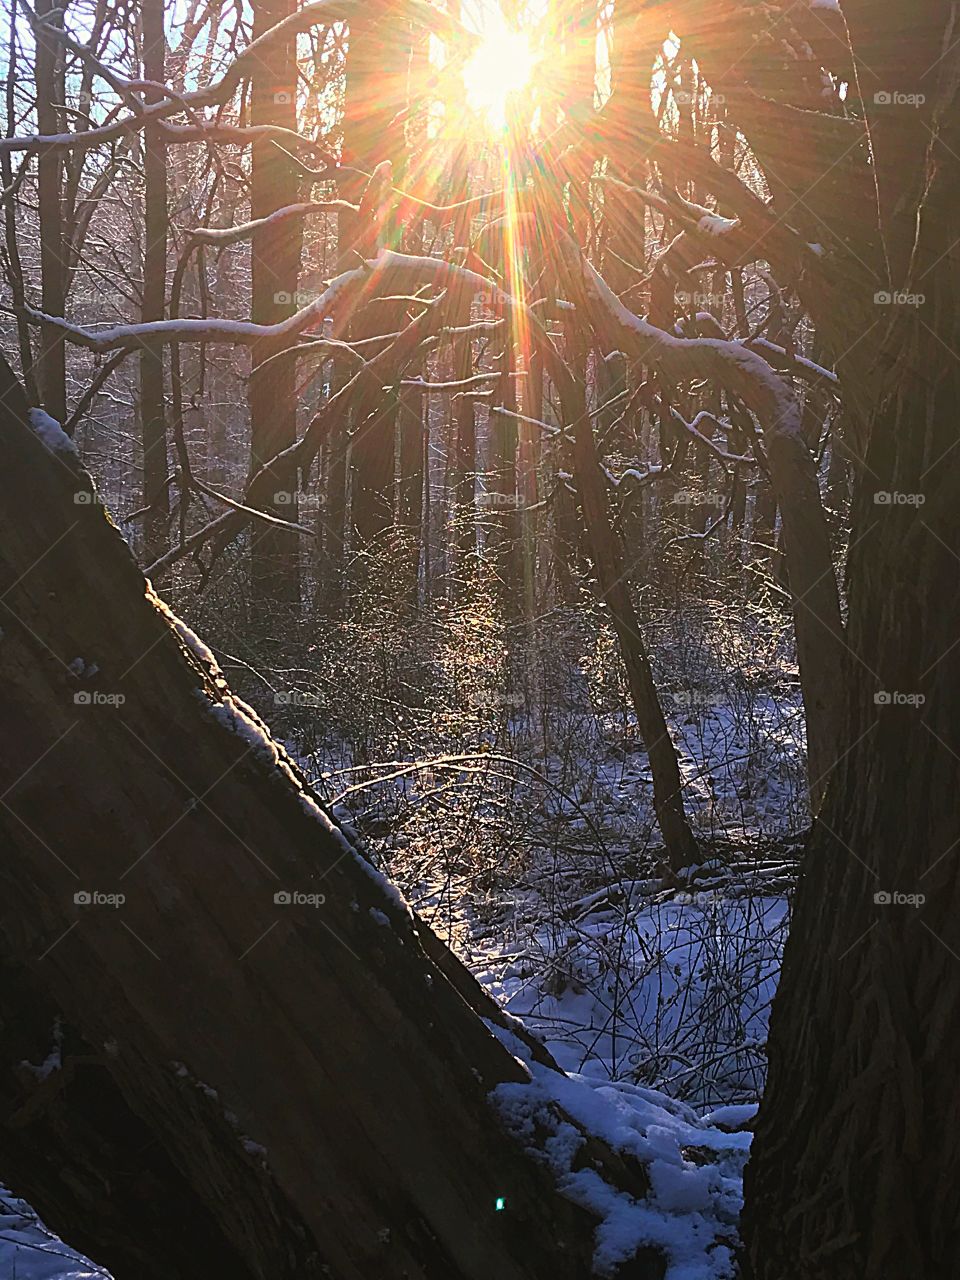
(713,224)
(732,1117)
(52,434)
(29,1251)
(692,1209)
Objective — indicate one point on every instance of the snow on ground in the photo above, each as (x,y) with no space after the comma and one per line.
(28,1251)
(674,989)
(695,1170)
(668,993)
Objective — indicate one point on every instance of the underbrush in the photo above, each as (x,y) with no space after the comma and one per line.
(495,771)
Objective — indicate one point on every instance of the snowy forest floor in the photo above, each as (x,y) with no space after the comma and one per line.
(526,839)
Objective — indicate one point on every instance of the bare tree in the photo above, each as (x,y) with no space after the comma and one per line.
(153,416)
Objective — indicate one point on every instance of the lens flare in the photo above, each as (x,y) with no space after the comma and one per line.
(500,66)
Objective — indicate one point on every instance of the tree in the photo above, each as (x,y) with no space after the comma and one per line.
(257,1034)
(275,282)
(852,1172)
(48,74)
(153,417)
(376,91)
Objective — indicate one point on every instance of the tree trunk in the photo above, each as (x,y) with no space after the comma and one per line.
(152,416)
(613,581)
(14,263)
(51,357)
(376,91)
(275,277)
(853,1173)
(463,424)
(300,1081)
(503,510)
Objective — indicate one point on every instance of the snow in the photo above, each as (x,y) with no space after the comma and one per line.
(695,1161)
(692,1209)
(731,363)
(732,1117)
(52,434)
(28,1251)
(713,224)
(255,1149)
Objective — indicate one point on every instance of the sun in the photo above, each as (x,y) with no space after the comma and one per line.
(501,65)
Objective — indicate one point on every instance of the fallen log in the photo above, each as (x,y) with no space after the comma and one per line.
(227,1046)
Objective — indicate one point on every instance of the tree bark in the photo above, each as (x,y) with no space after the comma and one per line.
(51,356)
(376,91)
(152,416)
(275,278)
(853,1172)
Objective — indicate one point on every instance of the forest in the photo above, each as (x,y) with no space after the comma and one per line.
(479,639)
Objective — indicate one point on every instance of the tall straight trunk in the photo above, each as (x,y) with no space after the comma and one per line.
(528,472)
(413,456)
(257,1062)
(275,274)
(413,413)
(503,496)
(11,241)
(463,424)
(51,356)
(152,416)
(376,91)
(854,1172)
